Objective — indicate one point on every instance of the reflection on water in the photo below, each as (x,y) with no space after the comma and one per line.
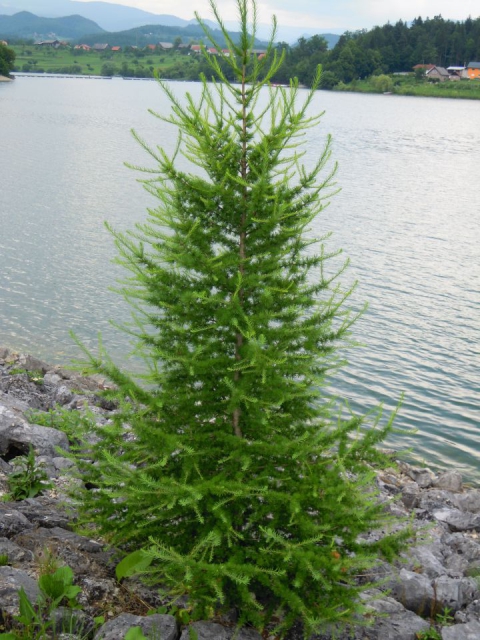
(408,217)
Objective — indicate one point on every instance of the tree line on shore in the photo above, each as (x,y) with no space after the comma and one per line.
(358,55)
(383,50)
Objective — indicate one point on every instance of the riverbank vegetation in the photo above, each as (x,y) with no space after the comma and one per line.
(7,60)
(410,85)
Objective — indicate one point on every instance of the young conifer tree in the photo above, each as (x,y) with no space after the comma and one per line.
(229,464)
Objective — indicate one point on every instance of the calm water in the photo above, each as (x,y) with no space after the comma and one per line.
(408,216)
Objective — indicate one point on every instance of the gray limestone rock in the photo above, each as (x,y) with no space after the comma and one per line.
(472,611)
(205,631)
(20,386)
(63,395)
(450,481)
(164,627)
(386,605)
(469,501)
(11,406)
(43,512)
(45,440)
(51,379)
(458,520)
(30,363)
(12,522)
(213,631)
(95,590)
(454,593)
(11,581)
(432,499)
(424,478)
(469,631)
(82,555)
(411,495)
(14,553)
(398,626)
(16,434)
(426,560)
(414,591)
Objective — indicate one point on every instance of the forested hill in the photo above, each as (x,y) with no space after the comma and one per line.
(386,49)
(154,33)
(27,25)
(399,47)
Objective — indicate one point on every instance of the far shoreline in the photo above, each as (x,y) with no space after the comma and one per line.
(414,93)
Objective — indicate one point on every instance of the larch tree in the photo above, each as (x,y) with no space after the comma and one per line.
(228,469)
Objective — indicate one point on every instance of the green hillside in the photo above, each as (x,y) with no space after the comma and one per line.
(27,25)
(154,33)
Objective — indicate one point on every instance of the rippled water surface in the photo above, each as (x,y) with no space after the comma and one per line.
(408,216)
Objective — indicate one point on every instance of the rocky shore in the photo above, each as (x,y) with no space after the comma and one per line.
(432,593)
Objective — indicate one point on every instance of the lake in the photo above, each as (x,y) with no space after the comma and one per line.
(408,216)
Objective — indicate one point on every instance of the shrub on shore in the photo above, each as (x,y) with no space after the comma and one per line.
(229,472)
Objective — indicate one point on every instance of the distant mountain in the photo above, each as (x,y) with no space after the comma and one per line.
(116,17)
(27,25)
(331,38)
(111,17)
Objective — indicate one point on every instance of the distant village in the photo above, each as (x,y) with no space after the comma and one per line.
(161,46)
(471,71)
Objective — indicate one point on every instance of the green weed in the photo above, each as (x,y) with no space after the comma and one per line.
(28,478)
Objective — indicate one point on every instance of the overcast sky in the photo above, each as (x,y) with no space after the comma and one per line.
(325,14)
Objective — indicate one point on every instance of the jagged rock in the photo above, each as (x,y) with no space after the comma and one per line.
(21,387)
(8,417)
(82,555)
(458,520)
(469,501)
(397,626)
(42,512)
(469,631)
(205,631)
(45,440)
(414,591)
(96,590)
(11,581)
(450,481)
(410,495)
(12,522)
(384,604)
(436,499)
(426,560)
(52,379)
(165,627)
(30,363)
(14,553)
(424,479)
(213,631)
(63,395)
(61,463)
(453,593)
(471,611)
(463,544)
